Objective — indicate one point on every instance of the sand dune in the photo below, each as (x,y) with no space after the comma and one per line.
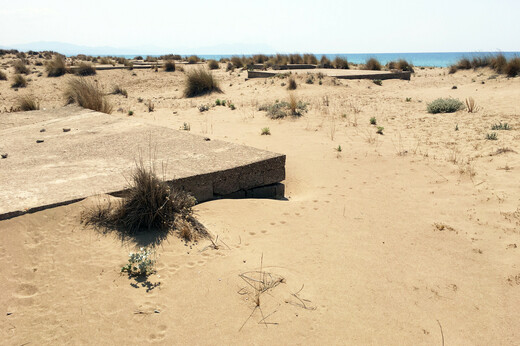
(384,242)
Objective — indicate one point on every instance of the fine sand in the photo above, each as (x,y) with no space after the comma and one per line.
(406,238)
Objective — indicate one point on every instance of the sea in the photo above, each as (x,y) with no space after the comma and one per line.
(417,59)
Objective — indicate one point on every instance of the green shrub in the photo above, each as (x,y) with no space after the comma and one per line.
(169,66)
(199,82)
(56,67)
(265,131)
(86,94)
(19,81)
(444,105)
(377,82)
(492,136)
(373,121)
(279,110)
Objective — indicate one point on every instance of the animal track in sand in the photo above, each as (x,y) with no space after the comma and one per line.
(263,231)
(26,291)
(283,222)
(252,233)
(272,223)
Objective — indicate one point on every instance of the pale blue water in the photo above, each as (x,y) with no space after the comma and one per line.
(417,59)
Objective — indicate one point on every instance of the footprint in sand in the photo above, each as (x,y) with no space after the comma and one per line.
(263,231)
(272,223)
(283,222)
(161,333)
(26,291)
(297,214)
(190,264)
(252,233)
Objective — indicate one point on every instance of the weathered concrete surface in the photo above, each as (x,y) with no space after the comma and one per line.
(338,73)
(99,152)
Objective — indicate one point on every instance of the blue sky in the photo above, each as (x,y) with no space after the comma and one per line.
(325,26)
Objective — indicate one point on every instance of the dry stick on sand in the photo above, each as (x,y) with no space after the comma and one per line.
(442,334)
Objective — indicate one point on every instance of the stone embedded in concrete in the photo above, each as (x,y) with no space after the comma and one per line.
(99,152)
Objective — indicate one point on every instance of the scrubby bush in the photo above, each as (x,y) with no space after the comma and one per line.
(340,63)
(279,110)
(151,205)
(117,90)
(85,69)
(169,66)
(28,103)
(20,67)
(310,59)
(213,64)
(373,64)
(56,67)
(400,64)
(237,62)
(19,81)
(325,62)
(513,67)
(193,59)
(291,84)
(86,94)
(3,76)
(444,105)
(499,63)
(199,82)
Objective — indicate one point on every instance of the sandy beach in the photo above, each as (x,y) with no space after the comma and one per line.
(410,237)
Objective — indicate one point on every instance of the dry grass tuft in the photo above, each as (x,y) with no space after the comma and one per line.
(149,204)
(20,67)
(471,105)
(85,69)
(19,81)
(373,64)
(87,95)
(340,63)
(200,82)
(291,83)
(56,67)
(213,65)
(28,103)
(169,66)
(513,67)
(3,76)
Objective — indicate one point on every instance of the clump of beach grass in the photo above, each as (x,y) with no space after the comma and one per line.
(85,69)
(291,83)
(200,82)
(213,64)
(19,81)
(169,66)
(56,67)
(28,103)
(20,67)
(86,94)
(3,76)
(373,64)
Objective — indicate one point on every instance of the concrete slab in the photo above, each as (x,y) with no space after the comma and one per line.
(338,73)
(99,152)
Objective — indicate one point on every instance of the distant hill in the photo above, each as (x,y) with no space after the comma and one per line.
(73,49)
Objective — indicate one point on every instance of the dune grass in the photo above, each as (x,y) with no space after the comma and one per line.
(85,69)
(3,76)
(200,82)
(20,67)
(499,63)
(340,63)
(56,67)
(213,65)
(19,81)
(86,94)
(149,205)
(28,103)
(373,64)
(291,83)
(169,66)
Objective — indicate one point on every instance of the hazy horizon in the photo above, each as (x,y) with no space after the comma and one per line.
(233,27)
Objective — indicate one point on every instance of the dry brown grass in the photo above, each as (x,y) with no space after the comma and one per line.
(56,67)
(373,64)
(213,65)
(291,83)
(3,76)
(28,103)
(85,69)
(169,66)
(86,94)
(20,67)
(200,82)
(19,81)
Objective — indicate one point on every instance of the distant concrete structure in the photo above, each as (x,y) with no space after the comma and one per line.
(337,73)
(62,156)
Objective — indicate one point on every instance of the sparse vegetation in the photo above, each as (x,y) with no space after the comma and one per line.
(213,64)
(444,105)
(86,94)
(340,63)
(380,130)
(203,108)
(401,64)
(373,64)
(141,263)
(56,67)
(291,84)
(471,106)
(117,90)
(199,82)
(20,67)
(3,76)
(265,131)
(377,82)
(28,103)
(499,63)
(373,121)
(151,205)
(19,81)
(501,126)
(279,110)
(85,69)
(150,106)
(492,136)
(169,66)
